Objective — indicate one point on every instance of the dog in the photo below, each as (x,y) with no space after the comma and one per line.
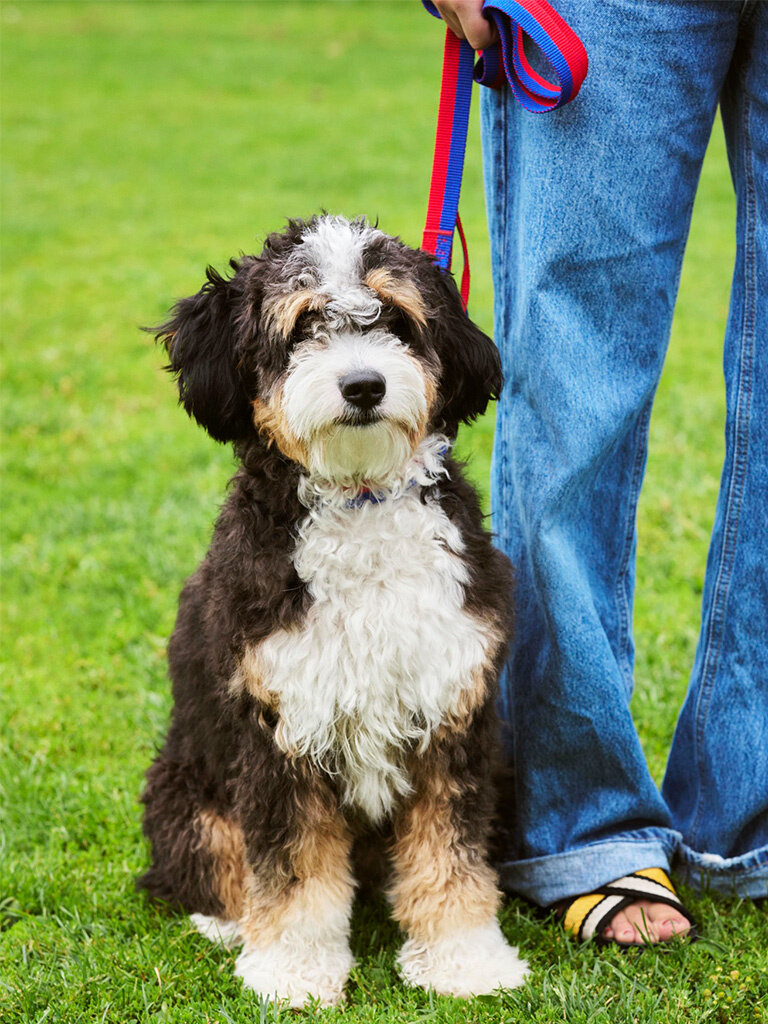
(336,654)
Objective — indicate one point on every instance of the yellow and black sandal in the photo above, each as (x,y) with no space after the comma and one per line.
(585,917)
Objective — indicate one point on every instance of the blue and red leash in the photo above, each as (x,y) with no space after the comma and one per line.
(503,64)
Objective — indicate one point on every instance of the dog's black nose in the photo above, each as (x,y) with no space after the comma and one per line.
(363,388)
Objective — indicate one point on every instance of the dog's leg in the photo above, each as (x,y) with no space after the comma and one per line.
(223,843)
(444,892)
(198,851)
(298,905)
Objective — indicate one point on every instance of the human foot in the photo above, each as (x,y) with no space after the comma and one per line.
(638,909)
(646,923)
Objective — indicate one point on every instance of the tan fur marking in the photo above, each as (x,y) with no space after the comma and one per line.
(430,390)
(224,841)
(440,886)
(417,434)
(268,418)
(477,691)
(250,675)
(469,699)
(399,292)
(288,308)
(321,883)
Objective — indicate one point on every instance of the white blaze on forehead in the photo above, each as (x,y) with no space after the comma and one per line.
(334,249)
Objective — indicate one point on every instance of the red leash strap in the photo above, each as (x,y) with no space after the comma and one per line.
(501,65)
(448,161)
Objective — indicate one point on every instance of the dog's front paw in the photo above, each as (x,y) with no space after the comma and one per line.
(473,962)
(294,972)
(217,929)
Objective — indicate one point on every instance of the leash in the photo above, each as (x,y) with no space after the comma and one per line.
(503,64)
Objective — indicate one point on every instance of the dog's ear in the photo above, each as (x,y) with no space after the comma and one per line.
(201,341)
(471,366)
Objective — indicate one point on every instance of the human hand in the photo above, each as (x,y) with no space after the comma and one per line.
(465,19)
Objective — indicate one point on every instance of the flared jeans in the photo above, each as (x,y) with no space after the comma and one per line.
(589,209)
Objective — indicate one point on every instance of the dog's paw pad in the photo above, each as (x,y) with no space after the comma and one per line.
(473,962)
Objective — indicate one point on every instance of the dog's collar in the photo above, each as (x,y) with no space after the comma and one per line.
(365,495)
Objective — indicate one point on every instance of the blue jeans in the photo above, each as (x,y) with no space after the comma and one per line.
(589,209)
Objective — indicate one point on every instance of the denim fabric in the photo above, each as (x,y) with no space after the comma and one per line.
(589,209)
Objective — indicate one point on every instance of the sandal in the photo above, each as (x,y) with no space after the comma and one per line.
(585,917)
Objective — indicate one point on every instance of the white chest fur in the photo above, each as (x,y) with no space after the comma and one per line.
(386,651)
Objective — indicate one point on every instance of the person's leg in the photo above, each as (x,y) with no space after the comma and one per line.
(589,210)
(716,784)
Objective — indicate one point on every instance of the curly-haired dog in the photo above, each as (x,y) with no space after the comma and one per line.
(336,654)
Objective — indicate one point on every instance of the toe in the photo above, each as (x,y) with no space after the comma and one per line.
(645,922)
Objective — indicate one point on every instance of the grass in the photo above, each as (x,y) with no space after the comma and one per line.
(140,142)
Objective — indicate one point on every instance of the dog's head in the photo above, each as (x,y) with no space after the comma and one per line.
(339,344)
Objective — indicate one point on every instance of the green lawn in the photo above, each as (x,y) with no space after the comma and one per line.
(140,142)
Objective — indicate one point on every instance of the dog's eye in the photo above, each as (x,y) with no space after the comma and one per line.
(400,324)
(302,328)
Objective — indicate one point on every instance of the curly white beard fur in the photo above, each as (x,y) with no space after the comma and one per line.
(398,469)
(351,455)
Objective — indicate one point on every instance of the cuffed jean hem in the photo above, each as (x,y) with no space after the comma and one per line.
(546,880)
(745,876)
